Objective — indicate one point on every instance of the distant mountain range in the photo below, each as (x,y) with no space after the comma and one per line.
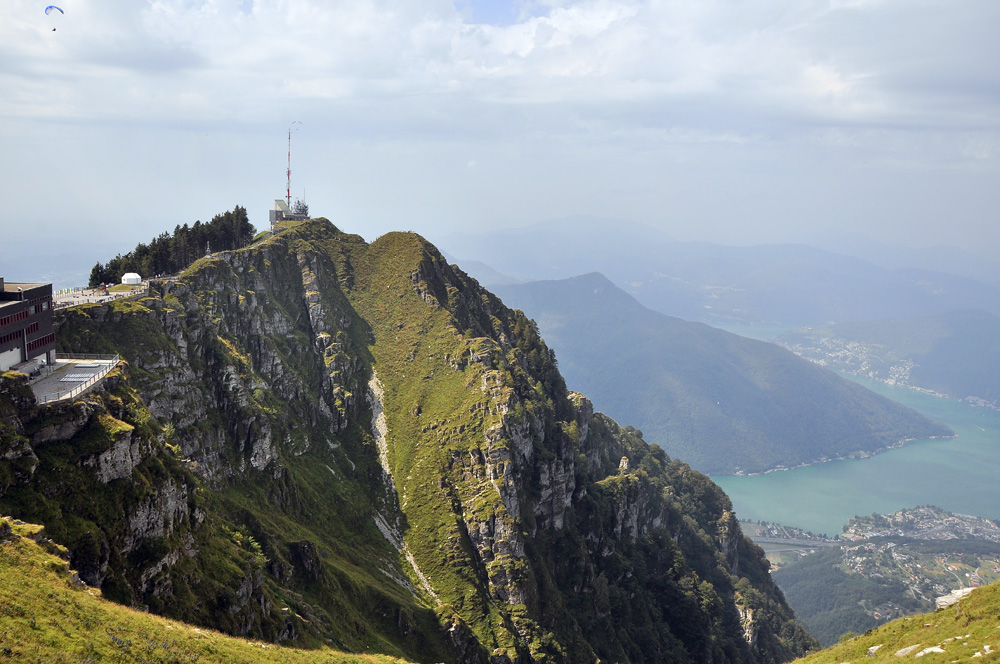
(784,284)
(947,259)
(956,354)
(724,403)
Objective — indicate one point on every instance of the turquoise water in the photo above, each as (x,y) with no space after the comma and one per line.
(957,474)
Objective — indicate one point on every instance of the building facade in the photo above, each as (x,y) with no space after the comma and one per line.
(281,212)
(27,334)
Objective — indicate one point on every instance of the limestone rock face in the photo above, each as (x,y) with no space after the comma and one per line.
(99,448)
(157,515)
(64,426)
(119,461)
(748,624)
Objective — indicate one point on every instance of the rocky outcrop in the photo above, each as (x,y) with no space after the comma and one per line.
(5,531)
(158,514)
(104,469)
(119,461)
(62,423)
(21,462)
(306,559)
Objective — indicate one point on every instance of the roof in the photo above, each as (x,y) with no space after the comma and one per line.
(13,286)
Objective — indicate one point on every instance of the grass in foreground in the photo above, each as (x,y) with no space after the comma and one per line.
(45,617)
(967,631)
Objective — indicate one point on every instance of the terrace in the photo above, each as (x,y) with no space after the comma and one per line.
(71,376)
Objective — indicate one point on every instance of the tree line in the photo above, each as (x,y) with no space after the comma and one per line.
(170,253)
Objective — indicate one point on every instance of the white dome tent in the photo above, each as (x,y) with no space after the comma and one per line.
(131,279)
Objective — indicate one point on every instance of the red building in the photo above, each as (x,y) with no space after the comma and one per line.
(27,334)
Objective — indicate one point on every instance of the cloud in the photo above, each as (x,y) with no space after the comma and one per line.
(818,61)
(638,106)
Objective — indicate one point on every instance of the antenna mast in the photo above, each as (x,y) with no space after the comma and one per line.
(288,186)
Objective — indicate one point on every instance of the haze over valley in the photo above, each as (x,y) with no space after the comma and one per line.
(783,285)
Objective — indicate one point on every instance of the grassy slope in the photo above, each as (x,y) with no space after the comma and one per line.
(46,618)
(961,630)
(417,341)
(417,344)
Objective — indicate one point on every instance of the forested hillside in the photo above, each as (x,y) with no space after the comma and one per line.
(170,253)
(721,402)
(889,566)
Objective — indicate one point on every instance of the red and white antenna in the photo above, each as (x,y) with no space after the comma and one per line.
(288,187)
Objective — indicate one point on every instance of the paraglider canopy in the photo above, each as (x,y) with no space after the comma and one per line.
(53,8)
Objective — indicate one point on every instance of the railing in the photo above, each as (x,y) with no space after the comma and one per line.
(88,356)
(112,360)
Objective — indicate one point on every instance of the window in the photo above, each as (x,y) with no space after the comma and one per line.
(35,344)
(13,318)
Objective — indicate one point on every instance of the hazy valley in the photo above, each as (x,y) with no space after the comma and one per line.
(955,354)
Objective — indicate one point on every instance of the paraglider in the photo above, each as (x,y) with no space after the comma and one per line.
(52,8)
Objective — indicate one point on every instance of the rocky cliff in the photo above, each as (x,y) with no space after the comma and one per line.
(325,440)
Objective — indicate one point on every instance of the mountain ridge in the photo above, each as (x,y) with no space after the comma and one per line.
(392,456)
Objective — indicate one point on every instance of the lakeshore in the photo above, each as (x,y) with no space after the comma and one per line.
(957,474)
(864,454)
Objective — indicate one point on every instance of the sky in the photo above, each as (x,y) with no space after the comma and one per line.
(732,121)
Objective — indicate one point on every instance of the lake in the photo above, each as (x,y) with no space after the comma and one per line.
(957,474)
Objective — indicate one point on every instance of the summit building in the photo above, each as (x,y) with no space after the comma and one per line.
(27,334)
